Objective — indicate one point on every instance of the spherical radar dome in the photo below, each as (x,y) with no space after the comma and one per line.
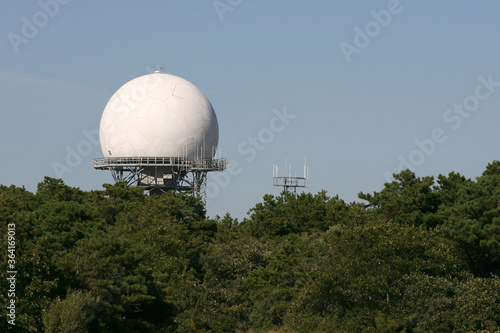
(159,115)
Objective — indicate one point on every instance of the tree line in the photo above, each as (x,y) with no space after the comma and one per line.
(421,255)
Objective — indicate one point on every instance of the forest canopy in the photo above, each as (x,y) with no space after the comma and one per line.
(421,255)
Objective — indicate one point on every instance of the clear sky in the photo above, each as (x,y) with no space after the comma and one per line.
(362,88)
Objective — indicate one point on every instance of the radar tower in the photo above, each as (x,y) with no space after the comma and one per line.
(160,132)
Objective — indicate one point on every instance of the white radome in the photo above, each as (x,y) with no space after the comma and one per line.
(159,115)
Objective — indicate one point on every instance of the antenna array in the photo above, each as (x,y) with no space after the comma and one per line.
(288,181)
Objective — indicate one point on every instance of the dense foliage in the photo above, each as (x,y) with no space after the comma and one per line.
(418,256)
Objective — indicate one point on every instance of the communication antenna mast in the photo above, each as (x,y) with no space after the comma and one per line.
(289,182)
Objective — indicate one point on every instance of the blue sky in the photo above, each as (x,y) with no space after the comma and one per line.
(421,89)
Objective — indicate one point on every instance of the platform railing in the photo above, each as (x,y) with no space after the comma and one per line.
(181,162)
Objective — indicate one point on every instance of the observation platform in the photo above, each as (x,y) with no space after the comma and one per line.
(161,174)
(182,163)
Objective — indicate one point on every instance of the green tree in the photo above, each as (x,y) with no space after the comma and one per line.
(292,213)
(76,313)
(357,272)
(408,199)
(443,304)
(221,301)
(474,221)
(418,257)
(274,285)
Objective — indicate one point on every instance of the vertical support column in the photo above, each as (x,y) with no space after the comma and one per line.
(199,178)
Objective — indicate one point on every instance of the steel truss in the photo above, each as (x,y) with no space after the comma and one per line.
(160,174)
(290,182)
